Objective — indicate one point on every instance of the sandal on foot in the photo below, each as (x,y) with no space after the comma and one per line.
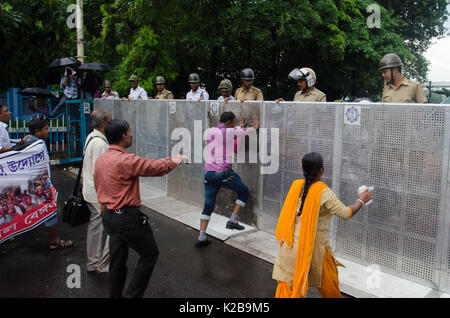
(61,244)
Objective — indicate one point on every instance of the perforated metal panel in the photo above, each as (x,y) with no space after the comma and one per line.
(128,111)
(447,285)
(303,128)
(248,171)
(152,135)
(186,182)
(272,187)
(105,104)
(401,150)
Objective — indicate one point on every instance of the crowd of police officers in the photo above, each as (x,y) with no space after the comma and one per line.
(398,89)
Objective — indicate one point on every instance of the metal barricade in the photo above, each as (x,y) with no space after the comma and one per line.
(400,149)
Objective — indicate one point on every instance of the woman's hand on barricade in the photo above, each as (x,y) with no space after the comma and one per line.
(365,196)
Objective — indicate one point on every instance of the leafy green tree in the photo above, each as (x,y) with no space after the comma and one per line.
(32,34)
(219,38)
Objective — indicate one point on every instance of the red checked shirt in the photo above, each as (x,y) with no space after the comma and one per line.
(116,176)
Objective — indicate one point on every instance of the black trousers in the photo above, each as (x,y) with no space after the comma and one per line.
(129,228)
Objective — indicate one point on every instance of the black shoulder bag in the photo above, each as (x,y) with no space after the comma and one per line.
(76,211)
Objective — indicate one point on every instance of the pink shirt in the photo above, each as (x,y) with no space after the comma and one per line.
(116,176)
(221,145)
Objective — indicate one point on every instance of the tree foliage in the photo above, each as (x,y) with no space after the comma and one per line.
(32,34)
(219,38)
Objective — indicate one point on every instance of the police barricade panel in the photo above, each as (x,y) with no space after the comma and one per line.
(152,128)
(249,170)
(446,265)
(130,114)
(271,192)
(106,104)
(386,149)
(401,150)
(187,120)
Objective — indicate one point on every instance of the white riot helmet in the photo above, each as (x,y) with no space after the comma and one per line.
(304,73)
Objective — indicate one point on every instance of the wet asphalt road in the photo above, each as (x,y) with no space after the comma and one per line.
(30,269)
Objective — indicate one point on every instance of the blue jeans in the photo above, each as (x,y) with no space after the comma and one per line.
(227,179)
(52,221)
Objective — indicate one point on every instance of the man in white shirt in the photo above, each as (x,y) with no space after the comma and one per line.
(136,92)
(5,116)
(97,256)
(196,93)
(5,142)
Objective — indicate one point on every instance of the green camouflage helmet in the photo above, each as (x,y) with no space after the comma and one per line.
(160,80)
(389,61)
(133,78)
(194,78)
(226,85)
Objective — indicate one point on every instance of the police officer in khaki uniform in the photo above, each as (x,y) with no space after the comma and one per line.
(163,93)
(398,89)
(247,91)
(306,81)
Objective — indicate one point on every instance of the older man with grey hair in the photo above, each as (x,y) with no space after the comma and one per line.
(96,144)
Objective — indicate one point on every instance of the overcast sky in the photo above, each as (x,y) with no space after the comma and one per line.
(439,56)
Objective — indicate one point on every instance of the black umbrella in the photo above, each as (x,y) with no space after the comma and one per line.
(95,66)
(36,91)
(65,61)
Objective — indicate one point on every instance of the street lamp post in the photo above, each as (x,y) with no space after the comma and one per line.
(80,31)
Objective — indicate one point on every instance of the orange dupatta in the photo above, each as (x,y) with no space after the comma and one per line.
(308,227)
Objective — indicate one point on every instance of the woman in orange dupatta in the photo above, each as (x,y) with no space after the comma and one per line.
(305,259)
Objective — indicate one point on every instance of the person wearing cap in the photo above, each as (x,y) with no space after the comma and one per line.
(109,93)
(247,91)
(136,92)
(196,93)
(225,88)
(398,89)
(306,81)
(163,93)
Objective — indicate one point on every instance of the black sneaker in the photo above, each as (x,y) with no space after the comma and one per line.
(234,226)
(202,243)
